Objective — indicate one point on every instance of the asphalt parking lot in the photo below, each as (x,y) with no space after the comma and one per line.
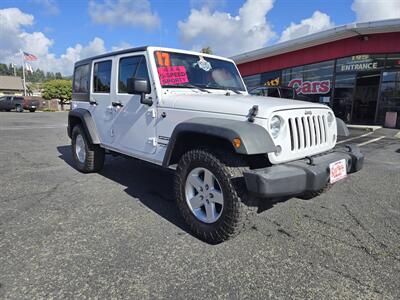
(117,234)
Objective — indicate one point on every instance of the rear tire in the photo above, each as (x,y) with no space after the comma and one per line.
(87,157)
(32,109)
(228,186)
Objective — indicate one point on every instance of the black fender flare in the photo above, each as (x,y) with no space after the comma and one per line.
(254,138)
(341,127)
(87,123)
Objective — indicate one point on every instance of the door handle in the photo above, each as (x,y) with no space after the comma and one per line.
(93,102)
(116,104)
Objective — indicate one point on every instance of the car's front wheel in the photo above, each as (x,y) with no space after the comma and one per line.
(210,194)
(87,156)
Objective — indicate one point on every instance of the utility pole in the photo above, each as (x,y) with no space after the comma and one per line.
(23,71)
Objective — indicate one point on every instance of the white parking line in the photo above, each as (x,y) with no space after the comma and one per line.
(371,141)
(354,138)
(33,127)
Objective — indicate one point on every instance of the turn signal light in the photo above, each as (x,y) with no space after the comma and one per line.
(236,142)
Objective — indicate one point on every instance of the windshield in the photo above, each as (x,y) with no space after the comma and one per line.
(187,70)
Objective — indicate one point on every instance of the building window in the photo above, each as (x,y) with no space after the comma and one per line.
(393,61)
(252,81)
(312,82)
(389,105)
(102,77)
(81,79)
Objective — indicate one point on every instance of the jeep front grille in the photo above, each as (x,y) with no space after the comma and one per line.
(307,132)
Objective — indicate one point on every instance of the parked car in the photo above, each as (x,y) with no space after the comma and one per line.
(278,92)
(191,112)
(31,104)
(17,103)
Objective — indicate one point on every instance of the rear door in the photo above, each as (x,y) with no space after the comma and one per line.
(134,123)
(101,107)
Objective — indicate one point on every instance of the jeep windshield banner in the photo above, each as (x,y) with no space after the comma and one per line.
(310,87)
(181,70)
(172,75)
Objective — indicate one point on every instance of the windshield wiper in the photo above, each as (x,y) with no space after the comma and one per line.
(234,90)
(224,88)
(187,85)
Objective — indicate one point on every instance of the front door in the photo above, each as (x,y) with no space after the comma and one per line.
(134,123)
(365,98)
(100,98)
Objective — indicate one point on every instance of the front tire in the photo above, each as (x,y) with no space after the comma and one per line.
(32,109)
(210,194)
(87,157)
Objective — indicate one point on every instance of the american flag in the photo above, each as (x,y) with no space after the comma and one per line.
(29,56)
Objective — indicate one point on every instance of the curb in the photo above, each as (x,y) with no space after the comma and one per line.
(365,127)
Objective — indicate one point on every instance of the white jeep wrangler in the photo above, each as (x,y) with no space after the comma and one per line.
(191,112)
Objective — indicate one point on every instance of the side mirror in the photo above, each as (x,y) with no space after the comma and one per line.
(138,86)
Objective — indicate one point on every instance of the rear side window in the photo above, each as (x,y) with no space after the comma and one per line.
(134,66)
(81,79)
(102,77)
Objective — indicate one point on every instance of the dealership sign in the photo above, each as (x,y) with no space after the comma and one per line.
(310,87)
(359,67)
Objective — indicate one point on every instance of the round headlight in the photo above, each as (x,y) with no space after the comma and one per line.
(275,126)
(330,118)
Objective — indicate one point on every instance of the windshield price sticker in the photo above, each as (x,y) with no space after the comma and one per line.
(172,75)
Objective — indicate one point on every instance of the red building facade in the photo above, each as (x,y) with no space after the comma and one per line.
(354,69)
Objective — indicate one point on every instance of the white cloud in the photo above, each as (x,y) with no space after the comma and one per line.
(14,37)
(226,34)
(318,21)
(124,12)
(371,10)
(49,6)
(121,46)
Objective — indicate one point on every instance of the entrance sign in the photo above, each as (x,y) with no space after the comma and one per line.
(359,67)
(310,87)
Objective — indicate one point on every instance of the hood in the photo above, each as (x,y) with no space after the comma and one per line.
(233,104)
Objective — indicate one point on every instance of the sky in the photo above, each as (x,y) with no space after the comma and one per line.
(60,32)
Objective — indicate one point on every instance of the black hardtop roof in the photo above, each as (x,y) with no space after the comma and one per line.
(89,59)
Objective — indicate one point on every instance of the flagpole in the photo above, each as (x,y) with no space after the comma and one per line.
(23,71)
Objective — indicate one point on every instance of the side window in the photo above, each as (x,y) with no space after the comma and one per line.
(127,69)
(142,72)
(257,92)
(134,66)
(102,77)
(81,79)
(273,92)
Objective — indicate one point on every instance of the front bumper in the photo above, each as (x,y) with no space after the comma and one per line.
(306,175)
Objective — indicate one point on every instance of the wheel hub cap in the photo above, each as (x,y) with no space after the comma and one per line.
(204,195)
(80,148)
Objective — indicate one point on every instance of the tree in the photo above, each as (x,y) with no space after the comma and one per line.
(58,89)
(206,50)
